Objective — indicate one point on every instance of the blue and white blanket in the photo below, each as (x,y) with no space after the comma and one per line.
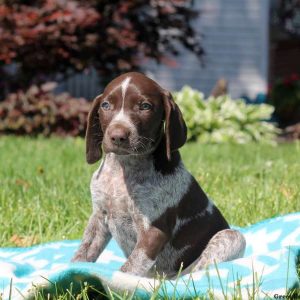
(269,268)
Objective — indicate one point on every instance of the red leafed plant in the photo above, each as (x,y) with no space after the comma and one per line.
(40,111)
(47,38)
(43,39)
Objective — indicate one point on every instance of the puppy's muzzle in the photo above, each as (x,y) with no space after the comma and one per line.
(119,135)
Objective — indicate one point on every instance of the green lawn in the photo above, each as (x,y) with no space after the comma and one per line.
(44,184)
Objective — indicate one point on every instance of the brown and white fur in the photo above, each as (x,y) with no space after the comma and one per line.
(142,194)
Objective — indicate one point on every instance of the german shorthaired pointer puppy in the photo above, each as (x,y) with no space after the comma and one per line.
(142,194)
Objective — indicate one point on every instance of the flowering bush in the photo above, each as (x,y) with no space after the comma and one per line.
(222,119)
(285,96)
(39,111)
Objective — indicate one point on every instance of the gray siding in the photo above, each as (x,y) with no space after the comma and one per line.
(81,85)
(236,44)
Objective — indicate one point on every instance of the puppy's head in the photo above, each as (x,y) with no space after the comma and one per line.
(131,117)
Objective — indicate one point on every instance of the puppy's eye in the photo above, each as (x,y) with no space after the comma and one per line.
(145,106)
(105,105)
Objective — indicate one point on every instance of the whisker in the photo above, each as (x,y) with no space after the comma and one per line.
(146,138)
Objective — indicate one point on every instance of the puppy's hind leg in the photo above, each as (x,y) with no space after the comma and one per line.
(225,245)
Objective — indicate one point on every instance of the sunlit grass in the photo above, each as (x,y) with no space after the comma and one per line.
(44,184)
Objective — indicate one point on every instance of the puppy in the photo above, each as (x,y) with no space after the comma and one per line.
(142,195)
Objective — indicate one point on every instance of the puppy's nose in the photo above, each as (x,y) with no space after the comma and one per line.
(119,136)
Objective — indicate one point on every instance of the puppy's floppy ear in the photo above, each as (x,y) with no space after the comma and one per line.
(94,133)
(175,128)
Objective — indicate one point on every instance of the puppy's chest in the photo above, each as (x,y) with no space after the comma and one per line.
(133,199)
(123,196)
(137,190)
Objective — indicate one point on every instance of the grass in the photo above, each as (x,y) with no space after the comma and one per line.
(44,184)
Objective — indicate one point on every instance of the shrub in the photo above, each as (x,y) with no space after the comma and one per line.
(40,111)
(285,96)
(46,37)
(221,119)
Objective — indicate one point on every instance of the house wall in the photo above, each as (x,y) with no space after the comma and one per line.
(236,44)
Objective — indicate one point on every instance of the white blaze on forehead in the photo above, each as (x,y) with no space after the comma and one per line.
(121,116)
(124,86)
